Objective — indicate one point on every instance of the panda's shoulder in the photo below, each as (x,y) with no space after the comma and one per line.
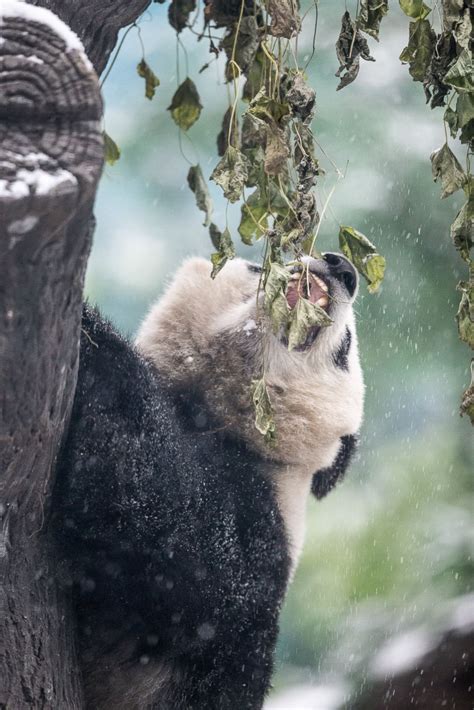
(101,343)
(118,391)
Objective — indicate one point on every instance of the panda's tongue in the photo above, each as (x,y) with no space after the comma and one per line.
(297,288)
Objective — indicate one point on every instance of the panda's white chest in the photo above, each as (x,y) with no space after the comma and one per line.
(293,486)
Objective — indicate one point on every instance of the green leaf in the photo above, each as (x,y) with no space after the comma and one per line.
(228,134)
(304,316)
(418,53)
(462,229)
(462,118)
(231,173)
(264,421)
(215,235)
(276,304)
(416,9)
(225,248)
(370,16)
(185,105)
(363,254)
(446,166)
(198,185)
(254,218)
(261,74)
(451,118)
(151,80)
(461,74)
(465,116)
(268,110)
(275,283)
(111,149)
(279,312)
(374,271)
(465,314)
(254,138)
(256,158)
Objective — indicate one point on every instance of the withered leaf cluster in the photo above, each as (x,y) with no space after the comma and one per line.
(443,63)
(267,151)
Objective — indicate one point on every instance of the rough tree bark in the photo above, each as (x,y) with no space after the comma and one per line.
(51,157)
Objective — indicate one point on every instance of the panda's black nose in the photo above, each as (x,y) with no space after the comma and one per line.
(342,269)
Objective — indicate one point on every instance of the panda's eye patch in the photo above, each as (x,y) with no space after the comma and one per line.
(340,356)
(350,281)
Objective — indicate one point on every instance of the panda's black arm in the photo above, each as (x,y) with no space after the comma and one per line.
(325,479)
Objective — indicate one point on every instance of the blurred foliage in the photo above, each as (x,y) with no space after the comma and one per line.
(394,540)
(381,554)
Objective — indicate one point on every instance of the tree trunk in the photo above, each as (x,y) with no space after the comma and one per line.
(51,157)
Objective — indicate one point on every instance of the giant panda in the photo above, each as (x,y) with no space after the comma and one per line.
(178,525)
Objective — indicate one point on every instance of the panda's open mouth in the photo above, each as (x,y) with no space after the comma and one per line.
(305,284)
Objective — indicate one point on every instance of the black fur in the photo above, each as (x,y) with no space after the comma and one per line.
(173,543)
(340,356)
(325,479)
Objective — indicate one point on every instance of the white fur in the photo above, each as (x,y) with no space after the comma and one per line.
(293,488)
(198,332)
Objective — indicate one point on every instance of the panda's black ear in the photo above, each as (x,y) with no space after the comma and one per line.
(325,479)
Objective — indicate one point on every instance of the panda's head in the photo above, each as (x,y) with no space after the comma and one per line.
(211,338)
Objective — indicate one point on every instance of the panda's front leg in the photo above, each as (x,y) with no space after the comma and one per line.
(325,479)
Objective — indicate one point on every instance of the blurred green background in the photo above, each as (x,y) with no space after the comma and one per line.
(387,549)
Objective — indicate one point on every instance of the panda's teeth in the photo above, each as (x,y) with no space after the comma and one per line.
(320,283)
